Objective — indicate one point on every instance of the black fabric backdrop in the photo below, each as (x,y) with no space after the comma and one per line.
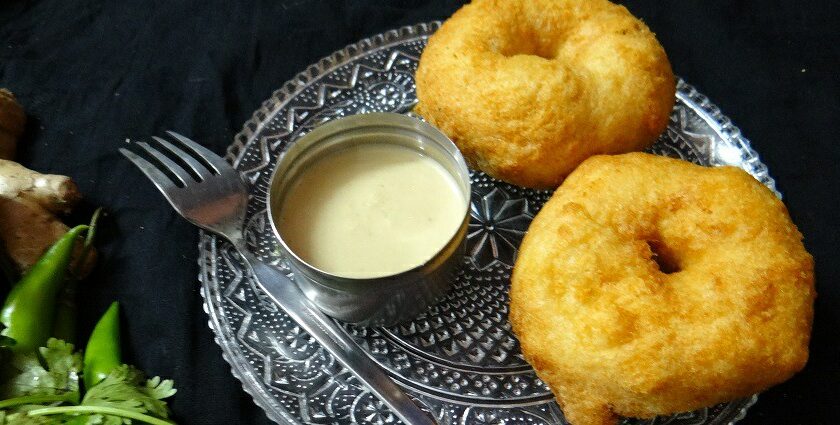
(93,73)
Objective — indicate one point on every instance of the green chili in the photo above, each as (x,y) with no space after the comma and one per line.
(64,327)
(29,310)
(65,313)
(102,354)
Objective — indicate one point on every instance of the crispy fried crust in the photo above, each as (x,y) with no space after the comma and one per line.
(613,334)
(528,89)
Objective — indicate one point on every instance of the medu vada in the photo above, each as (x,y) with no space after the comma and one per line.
(648,286)
(528,89)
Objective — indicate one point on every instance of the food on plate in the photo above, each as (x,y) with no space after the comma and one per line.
(648,285)
(371,210)
(12,122)
(529,89)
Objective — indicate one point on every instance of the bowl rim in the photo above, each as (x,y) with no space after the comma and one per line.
(381,120)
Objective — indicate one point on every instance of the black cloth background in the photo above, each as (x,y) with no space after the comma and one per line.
(93,73)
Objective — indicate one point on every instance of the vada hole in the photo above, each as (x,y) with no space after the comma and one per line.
(663,257)
(529,46)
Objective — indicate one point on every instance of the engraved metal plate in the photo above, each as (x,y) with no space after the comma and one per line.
(460,359)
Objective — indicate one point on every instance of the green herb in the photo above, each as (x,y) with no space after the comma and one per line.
(52,370)
(40,385)
(124,388)
(45,390)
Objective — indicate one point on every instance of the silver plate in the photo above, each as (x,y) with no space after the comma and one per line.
(460,359)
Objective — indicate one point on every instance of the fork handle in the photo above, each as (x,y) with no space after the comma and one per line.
(290,298)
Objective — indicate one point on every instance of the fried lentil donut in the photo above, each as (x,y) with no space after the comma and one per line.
(528,89)
(648,285)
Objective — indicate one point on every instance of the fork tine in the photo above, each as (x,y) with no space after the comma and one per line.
(215,161)
(198,168)
(161,180)
(176,169)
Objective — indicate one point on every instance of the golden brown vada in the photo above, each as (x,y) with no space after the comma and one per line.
(649,286)
(528,89)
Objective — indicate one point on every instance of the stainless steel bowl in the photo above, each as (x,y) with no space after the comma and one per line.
(379,301)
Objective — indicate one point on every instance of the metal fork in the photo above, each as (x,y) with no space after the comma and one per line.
(209,193)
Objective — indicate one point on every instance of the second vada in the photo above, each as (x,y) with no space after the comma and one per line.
(528,89)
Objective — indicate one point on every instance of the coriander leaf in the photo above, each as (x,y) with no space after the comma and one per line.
(44,390)
(16,411)
(53,370)
(40,399)
(127,416)
(160,389)
(24,419)
(124,389)
(111,420)
(84,420)
(67,419)
(93,419)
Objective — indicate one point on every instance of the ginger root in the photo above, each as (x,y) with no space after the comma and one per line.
(27,230)
(29,200)
(12,123)
(56,194)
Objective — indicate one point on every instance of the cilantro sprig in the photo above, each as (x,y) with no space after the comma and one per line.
(43,388)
